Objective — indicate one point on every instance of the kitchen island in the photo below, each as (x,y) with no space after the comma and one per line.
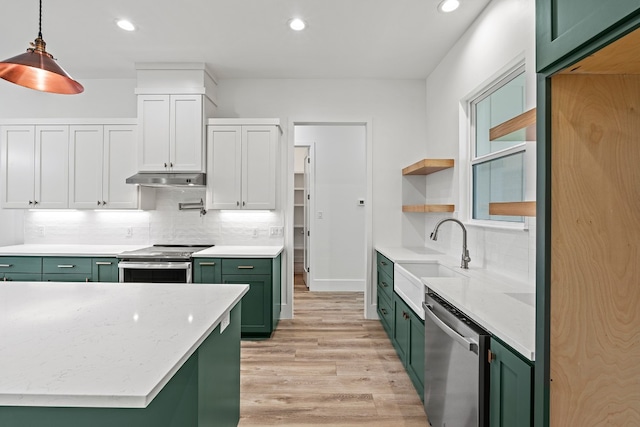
(130,354)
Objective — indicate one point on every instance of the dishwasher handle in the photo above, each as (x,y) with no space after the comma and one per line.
(465,342)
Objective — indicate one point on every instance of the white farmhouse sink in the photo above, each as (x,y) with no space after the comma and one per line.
(407,283)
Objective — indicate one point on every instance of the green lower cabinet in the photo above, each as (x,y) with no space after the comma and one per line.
(20,269)
(408,340)
(385,312)
(104,269)
(511,377)
(262,304)
(66,269)
(207,270)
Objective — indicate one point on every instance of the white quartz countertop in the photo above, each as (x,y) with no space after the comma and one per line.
(503,306)
(101,344)
(239,252)
(67,250)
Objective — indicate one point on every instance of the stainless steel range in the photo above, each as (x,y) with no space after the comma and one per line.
(158,264)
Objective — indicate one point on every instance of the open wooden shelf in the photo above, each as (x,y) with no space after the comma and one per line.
(428,166)
(428,208)
(513,208)
(525,121)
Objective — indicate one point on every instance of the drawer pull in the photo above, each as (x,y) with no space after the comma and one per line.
(245,267)
(383,311)
(384,284)
(6,265)
(383,263)
(208,263)
(102,263)
(66,265)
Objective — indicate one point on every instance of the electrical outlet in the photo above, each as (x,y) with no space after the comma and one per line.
(129,232)
(276,231)
(255,233)
(40,231)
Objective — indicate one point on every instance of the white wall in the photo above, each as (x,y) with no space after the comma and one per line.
(101,98)
(503,33)
(397,111)
(338,239)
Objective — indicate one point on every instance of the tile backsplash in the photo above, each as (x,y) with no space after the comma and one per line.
(165,224)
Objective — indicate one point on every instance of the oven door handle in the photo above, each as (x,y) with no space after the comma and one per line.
(155,265)
(465,342)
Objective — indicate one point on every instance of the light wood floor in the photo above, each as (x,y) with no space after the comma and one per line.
(326,367)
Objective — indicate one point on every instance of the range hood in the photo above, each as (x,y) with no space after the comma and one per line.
(168,179)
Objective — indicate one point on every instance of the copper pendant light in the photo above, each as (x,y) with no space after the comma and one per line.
(37,69)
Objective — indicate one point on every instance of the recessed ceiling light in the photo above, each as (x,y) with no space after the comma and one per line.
(125,25)
(448,5)
(297,24)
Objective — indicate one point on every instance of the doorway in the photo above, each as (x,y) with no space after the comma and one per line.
(330,236)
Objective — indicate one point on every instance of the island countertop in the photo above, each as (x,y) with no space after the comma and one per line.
(102,344)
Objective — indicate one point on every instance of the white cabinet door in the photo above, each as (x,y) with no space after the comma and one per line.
(154,116)
(119,163)
(52,167)
(85,160)
(187,127)
(18,167)
(259,146)
(224,163)
(171,133)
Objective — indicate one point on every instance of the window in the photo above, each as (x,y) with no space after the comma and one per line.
(497,167)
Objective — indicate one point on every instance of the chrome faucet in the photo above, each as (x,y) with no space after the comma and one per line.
(465,253)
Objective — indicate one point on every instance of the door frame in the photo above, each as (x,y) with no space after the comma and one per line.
(287,311)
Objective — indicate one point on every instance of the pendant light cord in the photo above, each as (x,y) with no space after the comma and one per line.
(40,21)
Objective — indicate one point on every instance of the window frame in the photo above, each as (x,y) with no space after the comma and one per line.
(486,90)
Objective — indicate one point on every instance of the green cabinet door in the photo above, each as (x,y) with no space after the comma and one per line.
(564,26)
(256,304)
(207,270)
(276,291)
(66,269)
(510,385)
(20,269)
(400,328)
(385,313)
(104,269)
(415,355)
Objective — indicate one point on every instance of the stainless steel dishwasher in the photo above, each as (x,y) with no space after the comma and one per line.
(456,377)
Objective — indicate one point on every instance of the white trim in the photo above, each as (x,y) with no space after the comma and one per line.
(66,121)
(244,122)
(287,310)
(337,285)
(520,148)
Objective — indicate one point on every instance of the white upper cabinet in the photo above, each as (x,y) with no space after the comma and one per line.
(101,159)
(35,166)
(241,165)
(171,133)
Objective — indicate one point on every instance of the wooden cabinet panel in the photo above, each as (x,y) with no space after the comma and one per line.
(120,161)
(52,167)
(154,114)
(66,265)
(256,304)
(18,166)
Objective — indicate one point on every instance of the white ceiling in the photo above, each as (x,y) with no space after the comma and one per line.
(242,38)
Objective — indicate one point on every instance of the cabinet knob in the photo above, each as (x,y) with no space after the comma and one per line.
(237,203)
(165,165)
(170,164)
(383,311)
(98,202)
(104,203)
(383,263)
(30,202)
(35,202)
(384,284)
(243,203)
(491,356)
